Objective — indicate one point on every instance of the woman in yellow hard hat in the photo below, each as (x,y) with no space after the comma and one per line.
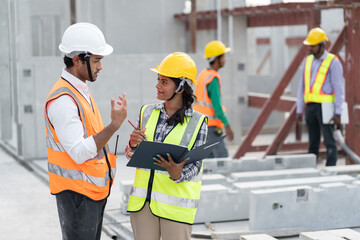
(162,204)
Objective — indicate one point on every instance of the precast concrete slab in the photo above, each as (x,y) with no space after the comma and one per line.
(218,203)
(353,170)
(214,179)
(257,237)
(321,235)
(346,233)
(326,206)
(226,165)
(274,174)
(244,188)
(338,234)
(293,161)
(220,165)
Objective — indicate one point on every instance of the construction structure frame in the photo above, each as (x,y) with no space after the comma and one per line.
(286,14)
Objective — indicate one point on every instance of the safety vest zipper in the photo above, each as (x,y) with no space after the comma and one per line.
(151,180)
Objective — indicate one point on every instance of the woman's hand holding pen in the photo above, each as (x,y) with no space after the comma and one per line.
(136,137)
(174,169)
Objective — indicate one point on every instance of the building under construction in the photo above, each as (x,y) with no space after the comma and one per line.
(270,187)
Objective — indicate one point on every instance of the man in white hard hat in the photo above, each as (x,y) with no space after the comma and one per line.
(81,167)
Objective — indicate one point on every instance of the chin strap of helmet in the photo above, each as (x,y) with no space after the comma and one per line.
(87,59)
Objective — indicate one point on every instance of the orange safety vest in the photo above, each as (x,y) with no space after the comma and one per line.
(203,102)
(315,93)
(94,177)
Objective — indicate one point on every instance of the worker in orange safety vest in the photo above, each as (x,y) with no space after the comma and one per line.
(80,165)
(208,97)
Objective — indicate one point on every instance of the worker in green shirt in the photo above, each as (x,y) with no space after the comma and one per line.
(208,97)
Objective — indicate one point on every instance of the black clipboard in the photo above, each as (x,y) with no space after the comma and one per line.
(144,153)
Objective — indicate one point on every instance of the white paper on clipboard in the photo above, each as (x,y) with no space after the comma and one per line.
(328,111)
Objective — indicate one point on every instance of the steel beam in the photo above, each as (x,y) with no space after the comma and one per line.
(282,133)
(271,103)
(259,99)
(192,25)
(280,19)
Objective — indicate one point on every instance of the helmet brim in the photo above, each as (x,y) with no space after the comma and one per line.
(155,70)
(106,51)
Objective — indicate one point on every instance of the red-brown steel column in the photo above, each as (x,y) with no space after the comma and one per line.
(352,76)
(193,26)
(314,19)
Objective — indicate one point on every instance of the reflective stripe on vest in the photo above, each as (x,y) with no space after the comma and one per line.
(90,178)
(169,200)
(315,93)
(203,102)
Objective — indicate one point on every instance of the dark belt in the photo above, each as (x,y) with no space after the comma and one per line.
(312,103)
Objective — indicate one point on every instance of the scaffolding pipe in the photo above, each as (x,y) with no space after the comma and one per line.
(339,138)
(72,12)
(231,25)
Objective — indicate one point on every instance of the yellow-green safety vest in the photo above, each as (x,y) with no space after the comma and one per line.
(169,200)
(315,93)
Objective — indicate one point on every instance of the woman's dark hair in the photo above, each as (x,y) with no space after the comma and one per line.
(188,99)
(69,63)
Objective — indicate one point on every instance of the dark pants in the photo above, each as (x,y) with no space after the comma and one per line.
(219,151)
(315,127)
(80,217)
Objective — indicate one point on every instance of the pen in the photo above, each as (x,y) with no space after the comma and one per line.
(135,128)
(132,125)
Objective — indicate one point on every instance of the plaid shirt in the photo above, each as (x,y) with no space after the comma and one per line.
(163,129)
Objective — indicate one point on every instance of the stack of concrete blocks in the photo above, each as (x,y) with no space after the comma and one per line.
(227,183)
(326,206)
(234,203)
(224,198)
(337,234)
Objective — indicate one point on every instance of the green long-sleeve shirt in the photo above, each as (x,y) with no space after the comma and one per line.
(214,93)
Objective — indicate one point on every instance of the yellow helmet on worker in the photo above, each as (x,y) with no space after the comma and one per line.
(177,65)
(215,48)
(315,37)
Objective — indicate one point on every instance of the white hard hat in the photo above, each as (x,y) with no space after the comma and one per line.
(84,37)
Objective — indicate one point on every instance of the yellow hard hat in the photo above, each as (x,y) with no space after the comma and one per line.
(215,48)
(177,65)
(315,36)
